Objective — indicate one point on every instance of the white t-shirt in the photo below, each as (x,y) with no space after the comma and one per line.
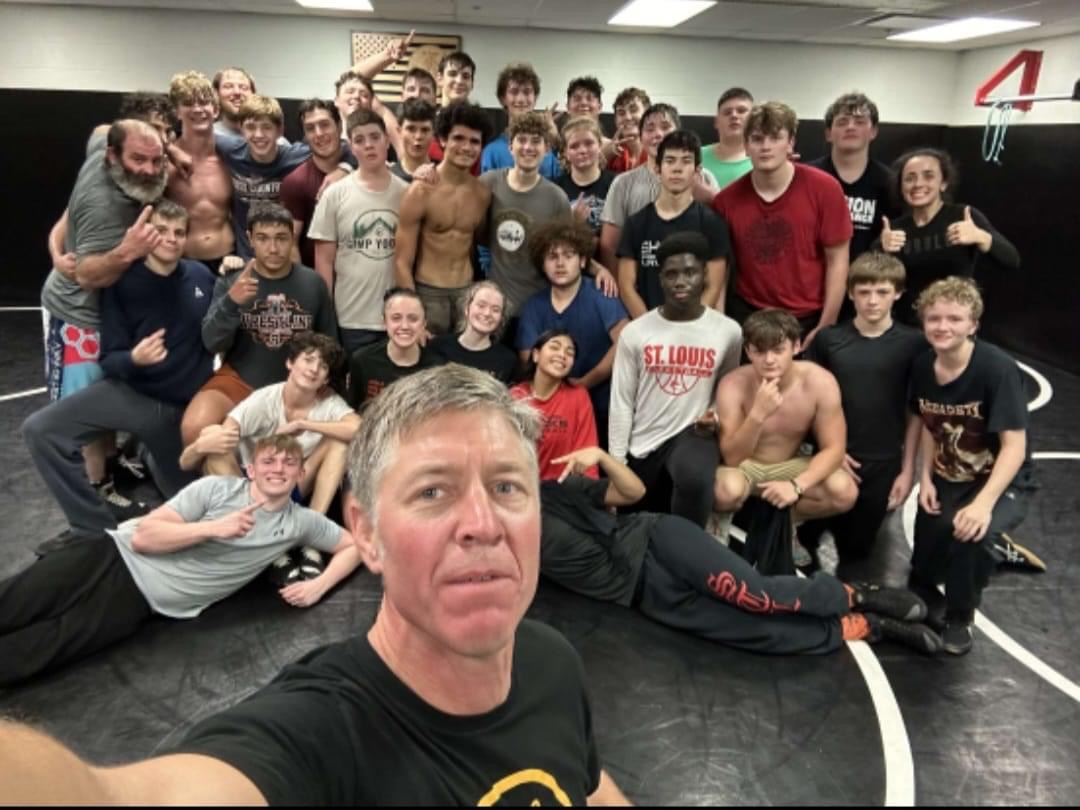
(263,412)
(364,225)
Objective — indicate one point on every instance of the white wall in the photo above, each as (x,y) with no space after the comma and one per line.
(85,48)
(1060,70)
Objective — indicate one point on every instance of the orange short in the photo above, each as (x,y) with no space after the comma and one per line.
(229,383)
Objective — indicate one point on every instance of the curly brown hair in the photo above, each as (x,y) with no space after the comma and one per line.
(560,231)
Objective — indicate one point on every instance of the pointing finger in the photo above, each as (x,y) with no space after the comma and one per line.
(144,215)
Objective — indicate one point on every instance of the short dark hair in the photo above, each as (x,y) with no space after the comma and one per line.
(420,75)
(568,231)
(142,105)
(551,334)
(663,109)
(850,104)
(734,92)
(216,81)
(352,75)
(876,267)
(520,72)
(459,58)
(949,173)
(629,94)
(768,328)
(167,209)
(465,114)
(416,109)
(269,213)
(590,83)
(682,139)
(676,244)
(310,105)
(363,117)
(328,349)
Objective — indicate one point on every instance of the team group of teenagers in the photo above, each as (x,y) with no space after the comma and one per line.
(696,331)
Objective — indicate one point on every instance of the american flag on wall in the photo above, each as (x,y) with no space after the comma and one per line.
(425,52)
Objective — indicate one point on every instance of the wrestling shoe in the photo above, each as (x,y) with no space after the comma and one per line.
(311,563)
(917,636)
(1018,556)
(285,570)
(897,603)
(123,508)
(958,638)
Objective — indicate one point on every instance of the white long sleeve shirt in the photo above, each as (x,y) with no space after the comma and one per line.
(664,377)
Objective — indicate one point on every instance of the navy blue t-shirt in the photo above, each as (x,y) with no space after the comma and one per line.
(141,303)
(589,320)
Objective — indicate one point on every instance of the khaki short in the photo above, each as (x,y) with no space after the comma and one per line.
(758,473)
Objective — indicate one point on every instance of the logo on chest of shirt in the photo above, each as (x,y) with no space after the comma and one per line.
(648,254)
(960,452)
(771,240)
(256,188)
(677,369)
(862,211)
(510,230)
(199,293)
(373,234)
(274,320)
(531,787)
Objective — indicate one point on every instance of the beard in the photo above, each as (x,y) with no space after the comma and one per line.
(139,188)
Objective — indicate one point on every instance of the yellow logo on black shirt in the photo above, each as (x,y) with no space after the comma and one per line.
(531,787)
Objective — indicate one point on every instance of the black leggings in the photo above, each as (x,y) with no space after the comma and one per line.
(692,582)
(678,476)
(67,605)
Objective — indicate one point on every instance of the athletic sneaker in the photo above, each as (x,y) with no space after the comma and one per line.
(285,570)
(958,638)
(311,563)
(897,603)
(799,555)
(917,636)
(1018,556)
(123,508)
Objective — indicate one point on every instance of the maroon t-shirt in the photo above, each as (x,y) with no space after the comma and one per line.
(298,191)
(780,245)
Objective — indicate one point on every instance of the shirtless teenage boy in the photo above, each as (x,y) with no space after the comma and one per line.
(438,222)
(765,411)
(206,192)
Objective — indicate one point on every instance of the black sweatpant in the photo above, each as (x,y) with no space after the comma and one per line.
(964,568)
(856,529)
(67,605)
(678,476)
(692,582)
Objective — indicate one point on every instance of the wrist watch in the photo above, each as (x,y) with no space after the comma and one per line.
(797,488)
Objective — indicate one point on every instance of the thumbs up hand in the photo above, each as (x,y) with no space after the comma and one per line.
(891,241)
(966,232)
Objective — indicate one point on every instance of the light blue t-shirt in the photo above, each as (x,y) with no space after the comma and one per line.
(181,584)
(496,155)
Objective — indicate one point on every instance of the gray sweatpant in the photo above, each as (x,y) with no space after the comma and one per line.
(56,434)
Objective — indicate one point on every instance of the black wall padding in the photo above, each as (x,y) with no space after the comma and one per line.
(1031,198)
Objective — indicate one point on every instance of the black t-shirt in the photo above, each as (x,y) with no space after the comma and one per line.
(869,199)
(966,415)
(928,256)
(497,360)
(371,370)
(584,548)
(873,376)
(595,194)
(339,728)
(645,230)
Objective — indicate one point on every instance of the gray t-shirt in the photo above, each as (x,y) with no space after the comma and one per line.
(633,190)
(262,413)
(512,217)
(99,214)
(181,584)
(364,225)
